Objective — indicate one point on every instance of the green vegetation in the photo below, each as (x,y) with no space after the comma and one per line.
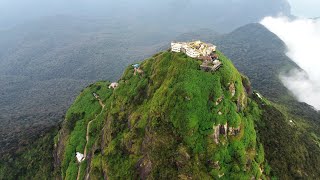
(34,161)
(85,108)
(288,129)
(294,153)
(159,125)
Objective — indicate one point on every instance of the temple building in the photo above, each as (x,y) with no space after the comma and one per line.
(195,49)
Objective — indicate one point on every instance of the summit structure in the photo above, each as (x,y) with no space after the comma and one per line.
(205,52)
(195,49)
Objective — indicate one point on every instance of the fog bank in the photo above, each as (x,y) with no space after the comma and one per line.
(302,37)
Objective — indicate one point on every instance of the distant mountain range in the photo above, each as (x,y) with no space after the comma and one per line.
(45,63)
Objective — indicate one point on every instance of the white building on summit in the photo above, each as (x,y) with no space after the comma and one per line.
(199,50)
(194,49)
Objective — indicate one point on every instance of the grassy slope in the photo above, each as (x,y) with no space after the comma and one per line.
(84,109)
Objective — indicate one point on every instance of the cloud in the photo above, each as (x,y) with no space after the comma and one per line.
(302,37)
(302,87)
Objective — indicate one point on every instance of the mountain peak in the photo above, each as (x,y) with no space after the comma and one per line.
(166,118)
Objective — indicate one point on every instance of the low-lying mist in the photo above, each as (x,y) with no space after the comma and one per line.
(302,37)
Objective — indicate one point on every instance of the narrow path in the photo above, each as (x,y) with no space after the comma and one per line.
(101,103)
(87,139)
(87,136)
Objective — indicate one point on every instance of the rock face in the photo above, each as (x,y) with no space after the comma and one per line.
(233,131)
(232,89)
(216,133)
(224,130)
(219,100)
(172,121)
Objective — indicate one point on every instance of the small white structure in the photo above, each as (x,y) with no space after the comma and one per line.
(80,157)
(259,95)
(113,85)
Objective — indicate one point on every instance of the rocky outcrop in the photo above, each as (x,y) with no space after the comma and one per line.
(144,166)
(219,100)
(223,129)
(232,89)
(59,148)
(216,133)
(233,131)
(241,102)
(246,84)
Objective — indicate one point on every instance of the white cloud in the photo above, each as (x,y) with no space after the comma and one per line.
(301,86)
(302,37)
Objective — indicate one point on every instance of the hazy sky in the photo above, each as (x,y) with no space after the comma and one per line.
(240,12)
(302,37)
(305,8)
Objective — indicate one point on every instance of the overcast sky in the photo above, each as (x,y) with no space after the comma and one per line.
(305,8)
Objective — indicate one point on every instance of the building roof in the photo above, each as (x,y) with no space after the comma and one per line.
(196,46)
